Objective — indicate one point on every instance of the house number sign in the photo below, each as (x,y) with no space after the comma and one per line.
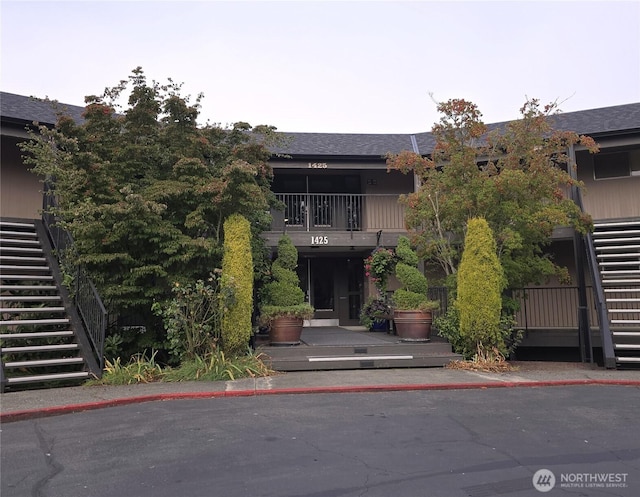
(319,240)
(318,165)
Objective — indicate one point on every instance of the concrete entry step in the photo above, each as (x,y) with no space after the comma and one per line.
(332,348)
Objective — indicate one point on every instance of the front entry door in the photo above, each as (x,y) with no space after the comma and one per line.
(335,287)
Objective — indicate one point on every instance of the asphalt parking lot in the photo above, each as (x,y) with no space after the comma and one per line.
(432,442)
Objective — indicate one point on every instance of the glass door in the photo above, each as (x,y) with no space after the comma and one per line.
(334,287)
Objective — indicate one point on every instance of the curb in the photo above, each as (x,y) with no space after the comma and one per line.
(90,406)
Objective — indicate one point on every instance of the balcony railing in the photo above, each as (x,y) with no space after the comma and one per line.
(550,308)
(338,212)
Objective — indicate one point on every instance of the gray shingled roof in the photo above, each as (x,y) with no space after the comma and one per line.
(594,122)
(344,144)
(22,109)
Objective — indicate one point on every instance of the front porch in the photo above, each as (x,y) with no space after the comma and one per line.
(324,348)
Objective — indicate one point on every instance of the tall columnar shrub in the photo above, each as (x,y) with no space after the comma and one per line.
(479,298)
(237,280)
(413,291)
(283,295)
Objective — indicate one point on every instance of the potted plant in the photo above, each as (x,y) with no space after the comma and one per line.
(283,308)
(412,309)
(375,314)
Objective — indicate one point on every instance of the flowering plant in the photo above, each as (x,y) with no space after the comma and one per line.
(378,266)
(376,310)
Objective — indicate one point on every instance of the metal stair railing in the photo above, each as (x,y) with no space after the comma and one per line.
(84,294)
(608,350)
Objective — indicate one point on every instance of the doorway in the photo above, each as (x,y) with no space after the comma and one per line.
(334,287)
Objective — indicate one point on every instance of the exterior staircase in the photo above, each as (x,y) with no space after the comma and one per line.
(40,346)
(617,246)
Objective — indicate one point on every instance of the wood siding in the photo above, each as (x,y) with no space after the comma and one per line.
(21,190)
(613,198)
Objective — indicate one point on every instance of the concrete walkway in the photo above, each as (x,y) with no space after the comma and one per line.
(38,403)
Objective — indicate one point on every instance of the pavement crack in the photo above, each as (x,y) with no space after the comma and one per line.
(46,443)
(475,437)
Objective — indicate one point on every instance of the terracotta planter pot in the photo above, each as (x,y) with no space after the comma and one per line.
(285,330)
(413,325)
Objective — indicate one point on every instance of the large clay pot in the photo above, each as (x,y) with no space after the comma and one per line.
(413,325)
(285,330)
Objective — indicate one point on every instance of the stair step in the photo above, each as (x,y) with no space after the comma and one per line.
(29,267)
(16,224)
(619,263)
(616,240)
(27,277)
(623,300)
(33,298)
(626,281)
(612,248)
(625,321)
(39,348)
(633,360)
(627,346)
(28,287)
(24,250)
(47,377)
(617,255)
(626,222)
(632,334)
(18,322)
(629,311)
(621,290)
(18,241)
(20,310)
(44,362)
(625,232)
(621,273)
(616,232)
(35,334)
(30,234)
(22,258)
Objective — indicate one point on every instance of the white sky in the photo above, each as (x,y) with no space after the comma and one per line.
(346,67)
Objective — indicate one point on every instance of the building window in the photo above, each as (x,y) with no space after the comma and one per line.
(611,165)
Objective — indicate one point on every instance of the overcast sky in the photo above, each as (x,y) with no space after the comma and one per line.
(346,67)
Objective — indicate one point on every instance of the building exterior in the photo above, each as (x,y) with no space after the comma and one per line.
(341,203)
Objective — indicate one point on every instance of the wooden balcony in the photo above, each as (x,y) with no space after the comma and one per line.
(320,212)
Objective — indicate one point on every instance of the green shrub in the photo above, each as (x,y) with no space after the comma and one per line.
(411,278)
(192,318)
(283,296)
(139,369)
(479,294)
(448,327)
(213,366)
(237,278)
(404,252)
(216,366)
(413,291)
